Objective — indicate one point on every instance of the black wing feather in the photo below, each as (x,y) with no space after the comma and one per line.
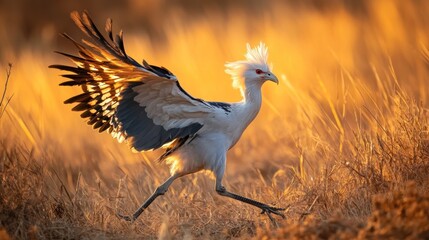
(107,100)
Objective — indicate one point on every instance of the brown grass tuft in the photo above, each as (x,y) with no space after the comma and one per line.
(403,214)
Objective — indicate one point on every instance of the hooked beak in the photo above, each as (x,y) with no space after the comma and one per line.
(271,77)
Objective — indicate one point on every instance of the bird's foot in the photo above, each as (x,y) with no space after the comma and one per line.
(272,210)
(125,217)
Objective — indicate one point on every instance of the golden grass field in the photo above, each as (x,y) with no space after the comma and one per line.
(342,142)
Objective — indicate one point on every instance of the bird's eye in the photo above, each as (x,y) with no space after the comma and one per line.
(259,71)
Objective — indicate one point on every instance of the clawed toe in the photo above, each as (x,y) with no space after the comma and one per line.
(125,217)
(268,210)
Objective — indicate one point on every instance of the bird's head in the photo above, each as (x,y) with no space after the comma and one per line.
(255,70)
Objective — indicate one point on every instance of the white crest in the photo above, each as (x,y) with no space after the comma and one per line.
(258,55)
(256,58)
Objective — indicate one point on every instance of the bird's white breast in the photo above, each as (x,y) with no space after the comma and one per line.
(232,124)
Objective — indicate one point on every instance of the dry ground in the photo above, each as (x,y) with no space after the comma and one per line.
(342,142)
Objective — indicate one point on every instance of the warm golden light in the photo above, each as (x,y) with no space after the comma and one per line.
(347,120)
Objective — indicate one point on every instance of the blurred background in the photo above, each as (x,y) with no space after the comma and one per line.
(321,50)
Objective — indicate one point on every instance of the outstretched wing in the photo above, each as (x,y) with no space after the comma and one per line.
(143,104)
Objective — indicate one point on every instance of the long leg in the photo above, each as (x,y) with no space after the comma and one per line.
(221,190)
(161,190)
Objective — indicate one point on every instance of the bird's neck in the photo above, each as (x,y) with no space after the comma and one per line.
(252,93)
(252,98)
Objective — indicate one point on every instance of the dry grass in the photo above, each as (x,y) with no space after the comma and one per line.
(4,101)
(401,214)
(342,142)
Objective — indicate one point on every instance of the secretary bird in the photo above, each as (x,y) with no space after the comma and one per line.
(146,106)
